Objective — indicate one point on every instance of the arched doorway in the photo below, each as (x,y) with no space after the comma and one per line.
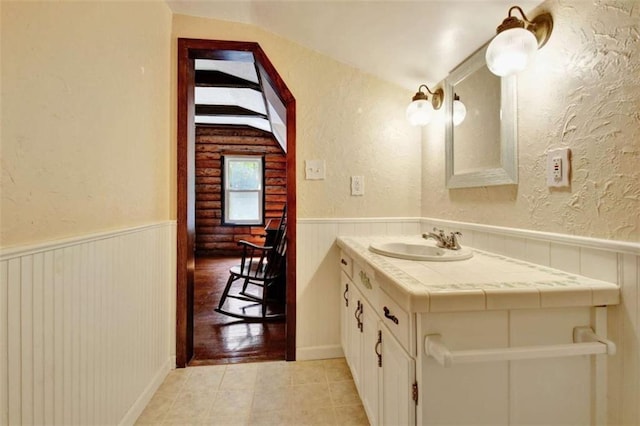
(188,51)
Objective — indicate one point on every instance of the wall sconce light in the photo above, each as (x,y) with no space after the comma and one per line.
(419,111)
(516,43)
(459,110)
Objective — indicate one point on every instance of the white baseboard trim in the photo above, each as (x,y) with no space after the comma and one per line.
(138,407)
(319,352)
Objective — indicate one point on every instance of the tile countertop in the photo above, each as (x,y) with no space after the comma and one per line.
(487,281)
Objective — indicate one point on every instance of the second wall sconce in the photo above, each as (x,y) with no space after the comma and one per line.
(516,42)
(420,110)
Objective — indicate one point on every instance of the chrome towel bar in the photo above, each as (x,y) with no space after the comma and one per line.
(586,342)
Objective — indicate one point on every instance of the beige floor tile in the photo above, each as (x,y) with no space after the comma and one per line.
(271,400)
(189,407)
(229,420)
(205,380)
(306,372)
(351,415)
(231,402)
(270,378)
(337,370)
(156,409)
(174,381)
(344,393)
(271,418)
(239,376)
(311,395)
(313,416)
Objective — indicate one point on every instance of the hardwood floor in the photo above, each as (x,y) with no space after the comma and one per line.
(220,339)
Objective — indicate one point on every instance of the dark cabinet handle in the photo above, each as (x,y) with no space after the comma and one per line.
(378,343)
(344,295)
(344,262)
(388,315)
(357,314)
(360,322)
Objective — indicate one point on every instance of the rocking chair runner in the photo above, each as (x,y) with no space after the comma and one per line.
(262,267)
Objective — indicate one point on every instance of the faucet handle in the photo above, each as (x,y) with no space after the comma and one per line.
(455,245)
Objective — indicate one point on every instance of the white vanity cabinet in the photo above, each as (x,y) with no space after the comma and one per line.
(382,370)
(489,340)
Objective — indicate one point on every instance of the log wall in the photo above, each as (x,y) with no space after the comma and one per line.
(213,238)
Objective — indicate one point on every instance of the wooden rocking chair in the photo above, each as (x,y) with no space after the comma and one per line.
(261,267)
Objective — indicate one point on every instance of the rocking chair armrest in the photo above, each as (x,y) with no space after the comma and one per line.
(255,246)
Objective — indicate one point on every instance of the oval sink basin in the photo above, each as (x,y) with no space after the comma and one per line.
(411,251)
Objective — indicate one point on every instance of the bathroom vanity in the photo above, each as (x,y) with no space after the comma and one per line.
(486,340)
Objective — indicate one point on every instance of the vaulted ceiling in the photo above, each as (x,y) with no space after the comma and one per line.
(403,42)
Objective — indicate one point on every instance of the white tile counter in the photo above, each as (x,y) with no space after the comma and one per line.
(487,281)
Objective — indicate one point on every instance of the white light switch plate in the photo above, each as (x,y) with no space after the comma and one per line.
(314,169)
(558,168)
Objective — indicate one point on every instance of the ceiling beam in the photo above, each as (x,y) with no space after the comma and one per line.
(228,110)
(209,78)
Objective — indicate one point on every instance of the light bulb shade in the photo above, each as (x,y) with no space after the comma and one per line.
(419,112)
(510,51)
(459,112)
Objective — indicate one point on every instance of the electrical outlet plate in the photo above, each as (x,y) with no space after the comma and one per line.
(357,185)
(558,168)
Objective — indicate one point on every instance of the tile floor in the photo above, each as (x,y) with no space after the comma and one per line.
(269,393)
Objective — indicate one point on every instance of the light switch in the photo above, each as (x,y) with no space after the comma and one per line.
(314,169)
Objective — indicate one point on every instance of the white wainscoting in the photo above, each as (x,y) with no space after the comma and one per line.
(85,326)
(613,261)
(318,278)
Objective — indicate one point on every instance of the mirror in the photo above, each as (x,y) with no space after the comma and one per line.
(482,150)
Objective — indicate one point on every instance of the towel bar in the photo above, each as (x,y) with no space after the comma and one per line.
(586,343)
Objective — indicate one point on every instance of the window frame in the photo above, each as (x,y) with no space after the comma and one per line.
(226,191)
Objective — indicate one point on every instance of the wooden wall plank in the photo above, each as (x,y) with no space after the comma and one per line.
(38,338)
(4,345)
(26,338)
(14,344)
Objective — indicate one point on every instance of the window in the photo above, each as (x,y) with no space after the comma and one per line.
(243,190)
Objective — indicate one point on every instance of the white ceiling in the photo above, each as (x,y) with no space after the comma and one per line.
(404,42)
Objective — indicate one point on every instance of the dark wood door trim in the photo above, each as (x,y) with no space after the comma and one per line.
(188,50)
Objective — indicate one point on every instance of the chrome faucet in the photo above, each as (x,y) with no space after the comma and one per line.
(442,241)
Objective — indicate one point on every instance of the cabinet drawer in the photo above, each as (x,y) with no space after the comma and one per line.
(346,263)
(365,280)
(396,319)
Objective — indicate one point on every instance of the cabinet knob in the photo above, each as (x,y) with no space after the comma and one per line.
(344,262)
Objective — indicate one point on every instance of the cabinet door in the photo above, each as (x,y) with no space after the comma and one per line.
(370,368)
(398,377)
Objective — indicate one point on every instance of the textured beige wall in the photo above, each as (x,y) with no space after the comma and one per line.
(352,120)
(582,92)
(85,117)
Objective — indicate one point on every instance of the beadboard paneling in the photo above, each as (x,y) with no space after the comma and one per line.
(318,278)
(85,328)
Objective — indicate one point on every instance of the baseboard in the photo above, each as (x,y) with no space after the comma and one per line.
(319,352)
(138,407)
